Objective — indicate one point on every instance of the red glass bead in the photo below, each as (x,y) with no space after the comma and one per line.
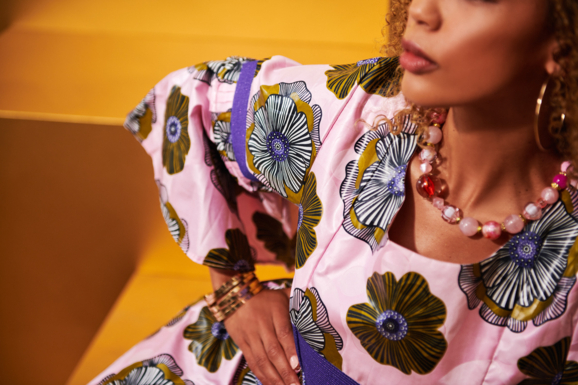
(439,117)
(561,181)
(428,186)
(492,230)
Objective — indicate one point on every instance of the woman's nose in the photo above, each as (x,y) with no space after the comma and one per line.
(425,13)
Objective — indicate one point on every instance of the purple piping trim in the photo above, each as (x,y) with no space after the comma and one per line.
(239,116)
(316,369)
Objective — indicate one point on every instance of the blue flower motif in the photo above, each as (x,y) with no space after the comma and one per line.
(219,332)
(374,186)
(174,129)
(281,144)
(391,325)
(530,277)
(524,248)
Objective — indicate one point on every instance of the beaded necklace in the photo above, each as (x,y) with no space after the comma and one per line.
(429,187)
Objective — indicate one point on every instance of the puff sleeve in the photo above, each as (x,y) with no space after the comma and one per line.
(232,143)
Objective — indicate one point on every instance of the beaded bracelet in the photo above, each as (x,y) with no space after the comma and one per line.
(232,295)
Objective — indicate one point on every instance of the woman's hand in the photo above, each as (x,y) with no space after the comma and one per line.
(262,330)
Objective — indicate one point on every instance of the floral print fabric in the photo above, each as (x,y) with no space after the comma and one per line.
(399,326)
(324,193)
(528,279)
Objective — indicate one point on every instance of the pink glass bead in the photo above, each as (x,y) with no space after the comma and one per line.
(532,212)
(428,154)
(541,203)
(428,186)
(438,203)
(469,226)
(513,224)
(561,181)
(550,195)
(565,166)
(425,168)
(434,135)
(492,230)
(451,214)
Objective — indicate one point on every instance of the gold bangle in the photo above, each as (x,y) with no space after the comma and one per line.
(232,295)
(227,286)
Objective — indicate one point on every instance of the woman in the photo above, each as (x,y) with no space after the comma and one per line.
(417,300)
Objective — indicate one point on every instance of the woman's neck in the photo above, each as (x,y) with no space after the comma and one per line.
(490,160)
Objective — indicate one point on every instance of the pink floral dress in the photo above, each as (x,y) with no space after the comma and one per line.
(234,143)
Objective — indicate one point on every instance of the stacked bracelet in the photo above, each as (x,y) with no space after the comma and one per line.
(232,294)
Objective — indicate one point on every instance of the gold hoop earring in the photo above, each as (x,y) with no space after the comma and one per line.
(537,116)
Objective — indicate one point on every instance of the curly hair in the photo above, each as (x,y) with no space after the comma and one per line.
(563,23)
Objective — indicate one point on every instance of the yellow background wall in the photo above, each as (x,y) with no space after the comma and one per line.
(79,217)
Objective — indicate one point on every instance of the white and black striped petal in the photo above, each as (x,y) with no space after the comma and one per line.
(530,266)
(223,139)
(281,143)
(382,193)
(559,302)
(299,88)
(172,223)
(144,375)
(302,319)
(323,320)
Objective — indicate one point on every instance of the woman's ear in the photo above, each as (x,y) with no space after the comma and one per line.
(551,66)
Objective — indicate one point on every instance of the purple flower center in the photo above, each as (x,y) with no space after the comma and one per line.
(368,61)
(557,378)
(173,129)
(219,332)
(278,146)
(396,185)
(242,266)
(524,248)
(391,325)
(300,218)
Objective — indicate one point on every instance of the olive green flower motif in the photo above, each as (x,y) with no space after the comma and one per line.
(270,231)
(238,257)
(310,211)
(399,327)
(376,76)
(211,342)
(139,121)
(162,369)
(176,141)
(548,366)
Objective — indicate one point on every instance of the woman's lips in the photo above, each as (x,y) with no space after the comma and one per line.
(414,60)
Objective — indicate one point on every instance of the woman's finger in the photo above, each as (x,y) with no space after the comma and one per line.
(277,355)
(261,365)
(284,331)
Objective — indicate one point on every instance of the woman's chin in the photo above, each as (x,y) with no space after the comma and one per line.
(421,94)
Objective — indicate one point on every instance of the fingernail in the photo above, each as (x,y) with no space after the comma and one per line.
(294,361)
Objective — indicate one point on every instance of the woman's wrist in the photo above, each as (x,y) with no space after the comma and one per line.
(220,276)
(232,294)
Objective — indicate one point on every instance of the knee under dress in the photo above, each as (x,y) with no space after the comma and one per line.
(234,143)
